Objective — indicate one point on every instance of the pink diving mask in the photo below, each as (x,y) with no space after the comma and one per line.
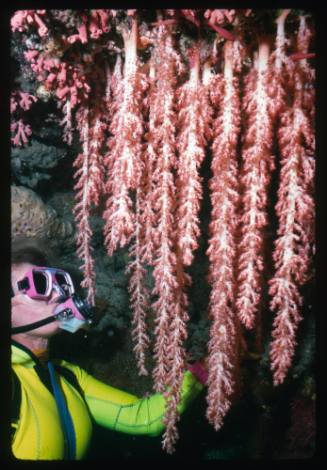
(39,282)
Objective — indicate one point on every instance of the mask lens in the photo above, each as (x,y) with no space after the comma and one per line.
(40,282)
(63,282)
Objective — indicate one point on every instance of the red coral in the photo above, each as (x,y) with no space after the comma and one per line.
(220,16)
(67,80)
(193,120)
(191,15)
(22,19)
(255,178)
(279,79)
(163,141)
(66,122)
(20,102)
(92,25)
(82,35)
(139,295)
(222,250)
(177,360)
(169,278)
(295,210)
(124,159)
(149,165)
(22,132)
(89,186)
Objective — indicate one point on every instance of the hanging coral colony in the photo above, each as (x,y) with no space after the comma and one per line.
(150,94)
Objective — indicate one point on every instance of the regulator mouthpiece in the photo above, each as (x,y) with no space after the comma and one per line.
(74,313)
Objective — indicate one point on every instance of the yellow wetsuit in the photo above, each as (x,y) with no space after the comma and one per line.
(39,434)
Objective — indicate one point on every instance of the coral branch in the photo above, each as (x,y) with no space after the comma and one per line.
(82,208)
(149,165)
(139,295)
(169,278)
(66,122)
(279,79)
(164,145)
(19,103)
(22,20)
(255,178)
(193,125)
(125,148)
(221,251)
(175,376)
(295,210)
(89,186)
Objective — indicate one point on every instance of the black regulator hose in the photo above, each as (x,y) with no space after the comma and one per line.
(32,326)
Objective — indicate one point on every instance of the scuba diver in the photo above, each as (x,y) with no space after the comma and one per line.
(54,401)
